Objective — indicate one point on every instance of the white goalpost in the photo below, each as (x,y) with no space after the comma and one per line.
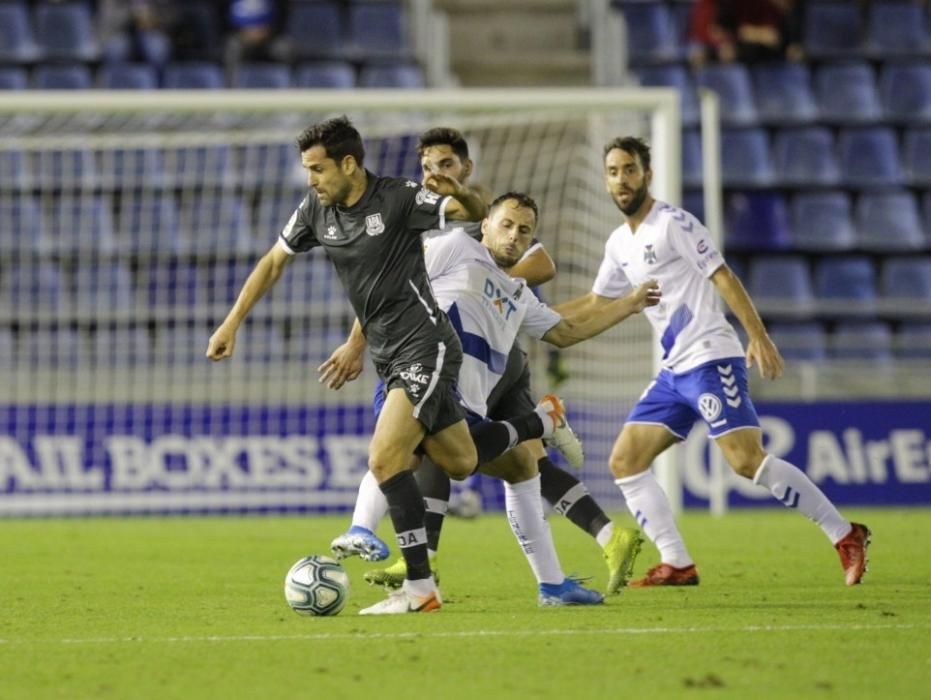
(128,222)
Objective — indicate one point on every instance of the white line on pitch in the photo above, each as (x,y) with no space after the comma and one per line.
(329,636)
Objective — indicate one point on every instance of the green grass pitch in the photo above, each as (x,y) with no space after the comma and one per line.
(193,608)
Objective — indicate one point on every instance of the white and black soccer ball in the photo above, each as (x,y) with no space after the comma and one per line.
(316,585)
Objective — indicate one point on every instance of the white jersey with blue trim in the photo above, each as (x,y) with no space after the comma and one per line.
(486,307)
(672,247)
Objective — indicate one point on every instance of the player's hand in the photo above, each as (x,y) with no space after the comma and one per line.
(764,352)
(442,184)
(647,294)
(221,344)
(344,365)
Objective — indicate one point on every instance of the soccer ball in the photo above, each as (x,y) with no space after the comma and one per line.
(316,585)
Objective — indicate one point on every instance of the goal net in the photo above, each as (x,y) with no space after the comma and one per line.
(128,224)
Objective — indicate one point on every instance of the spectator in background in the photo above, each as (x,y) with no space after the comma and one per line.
(748,31)
(254,31)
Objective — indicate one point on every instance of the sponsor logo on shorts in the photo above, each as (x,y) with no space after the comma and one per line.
(414,376)
(709,406)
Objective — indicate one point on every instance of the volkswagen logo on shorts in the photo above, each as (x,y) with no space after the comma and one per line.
(710,406)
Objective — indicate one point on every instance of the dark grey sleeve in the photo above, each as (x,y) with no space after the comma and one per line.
(424,209)
(298,234)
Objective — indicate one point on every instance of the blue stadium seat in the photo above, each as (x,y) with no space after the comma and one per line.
(64,77)
(869,157)
(832,29)
(391,76)
(326,75)
(81,224)
(652,35)
(271,165)
(846,285)
(260,342)
(691,158)
(265,76)
(150,47)
(731,81)
(756,221)
(913,341)
(905,91)
(13,78)
(805,341)
(8,346)
(846,92)
(805,156)
(906,285)
(314,278)
(311,346)
(377,29)
(31,288)
(214,223)
(128,76)
(22,227)
(889,222)
(65,30)
(17,43)
(822,221)
(181,344)
(119,346)
(166,284)
(194,75)
(781,286)
(72,167)
(54,348)
(200,165)
(745,158)
(103,288)
(783,93)
(897,28)
(132,167)
(673,75)
(693,201)
(226,280)
(15,173)
(148,224)
(326,17)
(862,340)
(916,156)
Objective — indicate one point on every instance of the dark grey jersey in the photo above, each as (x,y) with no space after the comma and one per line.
(376,248)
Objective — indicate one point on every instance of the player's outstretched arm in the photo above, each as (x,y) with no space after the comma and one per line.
(760,348)
(263,277)
(601,313)
(467,203)
(345,364)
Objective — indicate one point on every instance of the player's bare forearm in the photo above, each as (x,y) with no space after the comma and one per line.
(537,268)
(356,336)
(466,205)
(588,323)
(738,301)
(590,302)
(345,363)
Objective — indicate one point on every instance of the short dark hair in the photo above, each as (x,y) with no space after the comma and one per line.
(523,200)
(337,136)
(444,136)
(630,144)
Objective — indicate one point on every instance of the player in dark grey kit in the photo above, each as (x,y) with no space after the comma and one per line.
(369,227)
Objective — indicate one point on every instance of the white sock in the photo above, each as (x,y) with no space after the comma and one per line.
(371,504)
(548,424)
(647,502)
(792,487)
(604,534)
(524,508)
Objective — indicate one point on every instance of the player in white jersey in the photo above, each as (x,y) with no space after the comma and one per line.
(488,308)
(704,372)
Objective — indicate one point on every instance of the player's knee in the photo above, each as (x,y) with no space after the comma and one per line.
(623,462)
(745,462)
(458,466)
(383,465)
